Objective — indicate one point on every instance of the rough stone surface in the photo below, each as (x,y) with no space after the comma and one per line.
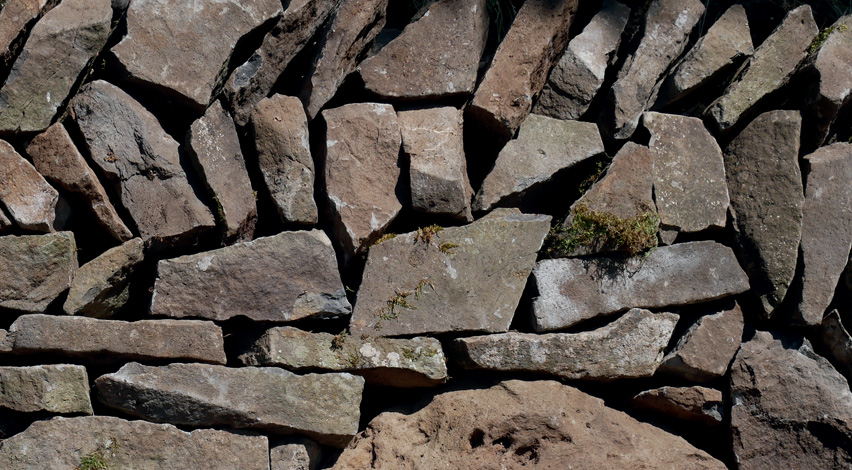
(56,157)
(765,186)
(514,425)
(5,223)
(544,147)
(579,74)
(288,276)
(770,68)
(697,404)
(30,200)
(519,69)
(790,408)
(295,454)
(60,389)
(831,79)
(573,290)
(415,362)
(433,140)
(322,406)
(626,189)
(280,133)
(16,17)
(169,45)
(35,269)
(630,347)
(63,442)
(668,24)
(214,147)
(115,341)
(5,341)
(142,161)
(102,286)
(421,283)
(362,171)
(57,51)
(838,343)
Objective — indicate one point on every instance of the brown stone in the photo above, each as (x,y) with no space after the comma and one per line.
(837,342)
(30,200)
(696,404)
(626,189)
(830,78)
(102,286)
(35,269)
(295,454)
(58,389)
(16,18)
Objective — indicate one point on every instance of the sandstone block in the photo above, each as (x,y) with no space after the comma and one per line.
(102,286)
(30,200)
(35,269)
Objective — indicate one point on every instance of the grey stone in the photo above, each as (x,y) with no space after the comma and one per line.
(831,80)
(626,189)
(837,342)
(35,269)
(30,200)
(700,405)
(16,18)
(5,342)
(102,286)
(295,454)
(59,389)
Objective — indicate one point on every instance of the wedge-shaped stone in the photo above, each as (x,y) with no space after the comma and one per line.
(30,200)
(112,341)
(700,405)
(831,78)
(102,286)
(435,281)
(284,277)
(573,290)
(35,269)
(16,17)
(837,341)
(416,362)
(5,223)
(60,389)
(324,407)
(66,442)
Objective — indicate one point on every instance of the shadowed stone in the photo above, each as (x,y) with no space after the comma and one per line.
(838,343)
(102,286)
(16,18)
(30,200)
(700,405)
(5,341)
(35,269)
(295,454)
(60,389)
(5,223)
(830,77)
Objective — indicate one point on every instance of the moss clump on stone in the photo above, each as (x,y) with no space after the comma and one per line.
(605,231)
(823,36)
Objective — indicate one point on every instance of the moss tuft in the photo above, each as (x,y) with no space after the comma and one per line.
(605,232)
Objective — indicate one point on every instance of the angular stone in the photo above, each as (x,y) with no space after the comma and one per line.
(362,171)
(544,147)
(324,407)
(295,454)
(696,404)
(770,68)
(30,200)
(707,347)
(5,223)
(573,290)
(630,347)
(765,185)
(668,24)
(214,147)
(16,17)
(60,389)
(35,269)
(626,189)
(60,47)
(837,342)
(112,341)
(56,157)
(517,74)
(689,173)
(102,286)
(5,341)
(126,141)
(831,78)
(415,362)
(284,277)
(579,74)
(791,409)
(65,442)
(514,425)
(169,45)
(435,281)
(280,132)
(433,140)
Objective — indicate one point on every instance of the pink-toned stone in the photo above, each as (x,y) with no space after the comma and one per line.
(30,200)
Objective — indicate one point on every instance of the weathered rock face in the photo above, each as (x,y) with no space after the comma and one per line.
(836,339)
(65,442)
(544,147)
(15,18)
(771,67)
(434,281)
(61,389)
(162,35)
(57,51)
(626,189)
(416,362)
(362,171)
(295,454)
(630,347)
(35,269)
(576,78)
(697,404)
(321,406)
(117,341)
(519,69)
(284,277)
(831,79)
(5,223)
(765,186)
(102,286)
(542,423)
(30,200)
(280,133)
(790,408)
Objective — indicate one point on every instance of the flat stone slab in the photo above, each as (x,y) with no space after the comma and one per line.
(837,341)
(699,405)
(59,389)
(30,200)
(415,362)
(102,286)
(284,277)
(35,269)
(436,281)
(828,69)
(573,290)
(324,407)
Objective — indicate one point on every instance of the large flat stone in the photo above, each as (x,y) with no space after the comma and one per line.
(830,78)
(59,389)
(102,286)
(35,269)
(701,405)
(30,200)
(16,18)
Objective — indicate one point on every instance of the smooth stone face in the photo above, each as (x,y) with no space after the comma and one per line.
(544,147)
(697,404)
(30,200)
(112,341)
(295,454)
(64,442)
(285,277)
(16,17)
(838,343)
(433,140)
(765,185)
(573,290)
(321,406)
(60,389)
(831,79)
(58,50)
(494,427)
(35,269)
(415,362)
(419,283)
(102,286)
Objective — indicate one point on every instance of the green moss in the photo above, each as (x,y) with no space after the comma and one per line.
(448,247)
(600,168)
(384,238)
(409,354)
(823,36)
(399,302)
(605,232)
(426,234)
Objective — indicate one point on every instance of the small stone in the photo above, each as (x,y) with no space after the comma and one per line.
(16,18)
(30,200)
(102,286)
(626,189)
(35,270)
(5,341)
(696,404)
(295,454)
(59,389)
(5,223)
(838,343)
